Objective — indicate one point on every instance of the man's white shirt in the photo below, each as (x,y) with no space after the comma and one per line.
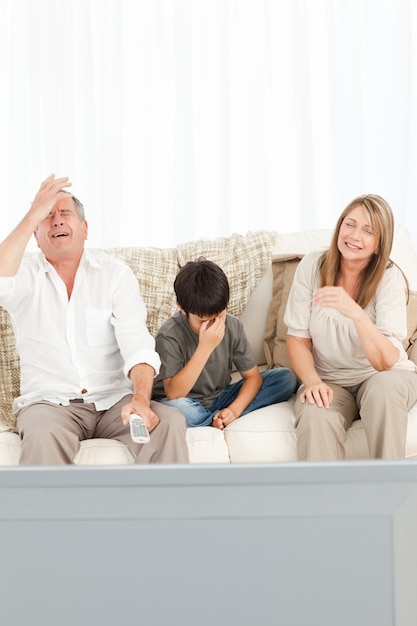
(82,347)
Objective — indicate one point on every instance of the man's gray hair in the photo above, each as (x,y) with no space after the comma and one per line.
(78,205)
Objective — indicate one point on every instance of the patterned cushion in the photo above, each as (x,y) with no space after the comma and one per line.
(283,270)
(155,269)
(243,258)
(9,371)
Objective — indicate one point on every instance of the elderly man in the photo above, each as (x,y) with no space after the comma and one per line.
(87,358)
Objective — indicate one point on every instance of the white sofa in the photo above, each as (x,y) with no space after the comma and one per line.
(266,435)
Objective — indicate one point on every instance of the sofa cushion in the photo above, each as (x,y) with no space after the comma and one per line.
(9,449)
(205,445)
(243,258)
(283,269)
(155,269)
(409,342)
(266,435)
(9,371)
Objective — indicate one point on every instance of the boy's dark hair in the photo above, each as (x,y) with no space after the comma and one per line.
(202,288)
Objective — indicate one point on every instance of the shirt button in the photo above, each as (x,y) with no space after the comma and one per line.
(83,390)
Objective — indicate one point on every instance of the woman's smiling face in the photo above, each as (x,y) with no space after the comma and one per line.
(356,240)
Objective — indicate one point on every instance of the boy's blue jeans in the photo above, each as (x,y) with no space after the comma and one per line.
(278,385)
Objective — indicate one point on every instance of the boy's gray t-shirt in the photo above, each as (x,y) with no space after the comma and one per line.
(176,343)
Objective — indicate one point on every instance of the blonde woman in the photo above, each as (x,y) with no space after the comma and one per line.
(346,319)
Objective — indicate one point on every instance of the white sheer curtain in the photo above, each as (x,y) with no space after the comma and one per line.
(178,119)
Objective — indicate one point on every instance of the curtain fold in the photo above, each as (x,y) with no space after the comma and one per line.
(185,119)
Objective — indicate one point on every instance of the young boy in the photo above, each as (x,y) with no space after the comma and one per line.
(198,346)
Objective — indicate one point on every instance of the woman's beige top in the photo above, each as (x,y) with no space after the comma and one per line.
(337,351)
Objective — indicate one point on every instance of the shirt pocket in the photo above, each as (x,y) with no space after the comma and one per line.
(100,331)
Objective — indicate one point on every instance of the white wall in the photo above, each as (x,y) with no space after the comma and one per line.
(178,119)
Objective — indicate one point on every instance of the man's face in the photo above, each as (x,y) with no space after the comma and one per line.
(62,233)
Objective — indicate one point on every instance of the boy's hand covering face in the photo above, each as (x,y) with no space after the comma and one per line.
(212,331)
(221,316)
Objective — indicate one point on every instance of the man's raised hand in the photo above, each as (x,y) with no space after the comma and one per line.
(48,195)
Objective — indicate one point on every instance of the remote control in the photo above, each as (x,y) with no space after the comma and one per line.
(138,430)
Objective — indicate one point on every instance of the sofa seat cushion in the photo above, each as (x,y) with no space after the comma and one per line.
(268,436)
(9,448)
(356,445)
(263,436)
(103,452)
(411,441)
(205,445)
(91,452)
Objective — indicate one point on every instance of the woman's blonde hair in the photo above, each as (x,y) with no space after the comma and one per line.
(381,220)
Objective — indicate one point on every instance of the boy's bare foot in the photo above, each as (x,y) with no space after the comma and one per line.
(217,423)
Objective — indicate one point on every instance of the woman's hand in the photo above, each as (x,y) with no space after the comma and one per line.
(339,299)
(319,394)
